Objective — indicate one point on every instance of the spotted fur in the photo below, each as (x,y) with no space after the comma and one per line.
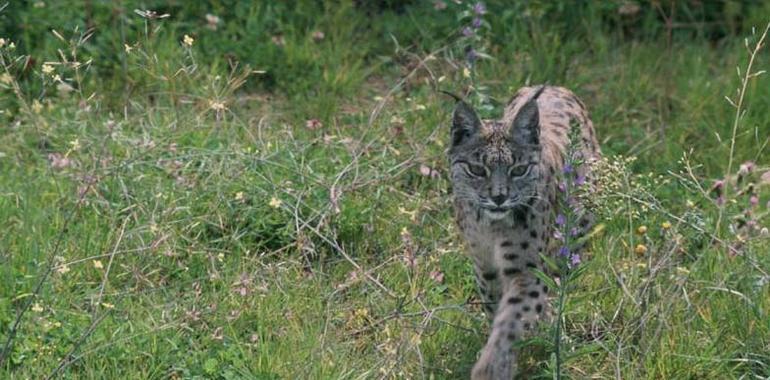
(504,187)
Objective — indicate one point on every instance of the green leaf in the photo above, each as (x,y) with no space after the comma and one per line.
(547,280)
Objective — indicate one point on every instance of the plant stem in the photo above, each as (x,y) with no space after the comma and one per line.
(738,108)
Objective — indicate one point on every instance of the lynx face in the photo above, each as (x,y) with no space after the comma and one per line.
(496,167)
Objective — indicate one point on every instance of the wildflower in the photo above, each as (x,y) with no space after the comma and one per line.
(108,305)
(437,276)
(278,40)
(567,169)
(564,251)
(212,21)
(239,196)
(2,42)
(562,186)
(560,220)
(479,8)
(466,72)
(318,36)
(63,269)
(427,171)
(746,168)
(641,230)
(151,15)
(98,264)
(574,232)
(37,308)
(37,106)
(476,23)
(47,69)
(580,180)
(471,56)
(754,200)
(575,260)
(216,105)
(275,202)
(640,249)
(720,200)
(313,124)
(187,40)
(467,31)
(665,225)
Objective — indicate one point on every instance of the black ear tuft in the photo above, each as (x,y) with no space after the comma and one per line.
(525,129)
(465,123)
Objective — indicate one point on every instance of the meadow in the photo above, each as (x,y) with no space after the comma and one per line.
(259,190)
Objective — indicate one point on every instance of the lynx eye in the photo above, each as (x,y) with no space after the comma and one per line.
(518,171)
(476,170)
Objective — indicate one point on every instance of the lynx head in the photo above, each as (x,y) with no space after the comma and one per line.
(495,167)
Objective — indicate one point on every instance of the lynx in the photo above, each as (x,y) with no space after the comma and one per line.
(504,178)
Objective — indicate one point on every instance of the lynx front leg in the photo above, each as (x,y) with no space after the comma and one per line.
(520,307)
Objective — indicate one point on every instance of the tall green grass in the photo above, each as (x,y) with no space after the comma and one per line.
(288,216)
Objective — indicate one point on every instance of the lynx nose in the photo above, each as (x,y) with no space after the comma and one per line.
(499,199)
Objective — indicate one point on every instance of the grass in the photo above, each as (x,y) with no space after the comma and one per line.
(195,225)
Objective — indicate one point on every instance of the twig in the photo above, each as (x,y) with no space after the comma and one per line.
(738,111)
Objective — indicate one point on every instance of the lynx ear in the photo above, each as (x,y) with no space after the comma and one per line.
(525,129)
(465,123)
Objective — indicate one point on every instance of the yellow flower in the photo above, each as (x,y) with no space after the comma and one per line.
(275,202)
(63,269)
(47,69)
(98,264)
(239,196)
(640,249)
(127,48)
(666,225)
(466,72)
(187,40)
(37,308)
(36,106)
(641,230)
(108,305)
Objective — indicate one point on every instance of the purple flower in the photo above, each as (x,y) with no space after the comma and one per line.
(476,23)
(754,200)
(580,180)
(575,231)
(557,235)
(560,220)
(567,169)
(720,200)
(562,186)
(471,56)
(467,31)
(564,251)
(479,8)
(575,260)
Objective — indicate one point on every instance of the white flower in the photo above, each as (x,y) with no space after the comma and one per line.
(187,40)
